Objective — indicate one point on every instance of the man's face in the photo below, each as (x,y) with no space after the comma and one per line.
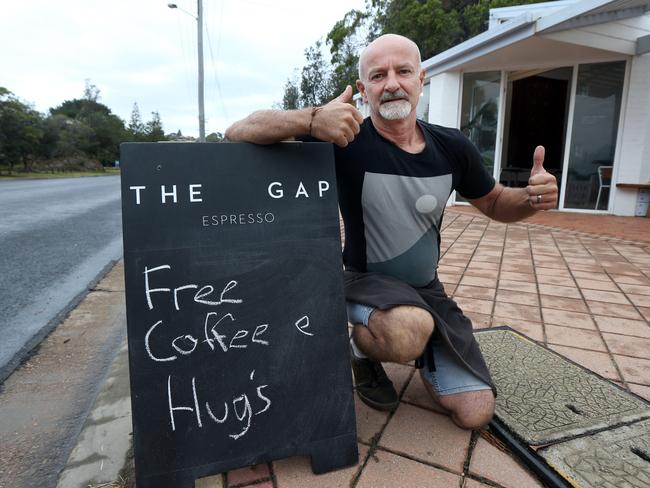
(391,78)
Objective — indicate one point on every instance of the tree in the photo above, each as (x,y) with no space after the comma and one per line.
(291,98)
(345,40)
(107,128)
(214,137)
(136,127)
(153,131)
(21,130)
(91,92)
(427,23)
(314,84)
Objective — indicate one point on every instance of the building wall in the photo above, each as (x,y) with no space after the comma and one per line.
(444,96)
(634,160)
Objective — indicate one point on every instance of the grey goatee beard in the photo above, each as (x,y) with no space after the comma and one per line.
(396,110)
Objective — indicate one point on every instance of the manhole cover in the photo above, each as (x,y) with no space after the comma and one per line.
(544,398)
(611,459)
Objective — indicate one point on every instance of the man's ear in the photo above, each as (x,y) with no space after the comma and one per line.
(421,78)
(362,90)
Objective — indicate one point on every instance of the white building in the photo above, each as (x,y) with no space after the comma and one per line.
(571,75)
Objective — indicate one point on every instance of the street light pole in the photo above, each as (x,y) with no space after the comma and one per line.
(199,27)
(199,19)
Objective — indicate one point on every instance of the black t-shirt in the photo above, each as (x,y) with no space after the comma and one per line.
(392,201)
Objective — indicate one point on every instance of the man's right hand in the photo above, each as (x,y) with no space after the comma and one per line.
(338,121)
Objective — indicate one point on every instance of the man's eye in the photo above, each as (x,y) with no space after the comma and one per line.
(406,71)
(377,76)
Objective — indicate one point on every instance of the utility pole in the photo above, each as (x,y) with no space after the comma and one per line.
(199,35)
(199,20)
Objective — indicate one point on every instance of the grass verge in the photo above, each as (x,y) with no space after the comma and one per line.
(37,175)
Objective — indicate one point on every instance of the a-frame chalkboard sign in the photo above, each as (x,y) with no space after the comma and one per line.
(236,321)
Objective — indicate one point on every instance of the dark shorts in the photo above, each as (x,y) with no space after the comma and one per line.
(452,360)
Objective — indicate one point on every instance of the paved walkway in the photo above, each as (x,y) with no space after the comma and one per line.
(584,296)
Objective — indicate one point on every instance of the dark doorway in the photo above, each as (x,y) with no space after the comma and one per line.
(536,113)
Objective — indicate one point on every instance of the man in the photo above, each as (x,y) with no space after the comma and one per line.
(394,176)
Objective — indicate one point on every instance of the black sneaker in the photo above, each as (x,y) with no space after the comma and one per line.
(372,385)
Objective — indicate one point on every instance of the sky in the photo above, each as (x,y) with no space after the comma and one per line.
(141,51)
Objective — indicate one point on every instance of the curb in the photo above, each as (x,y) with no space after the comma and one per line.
(105,439)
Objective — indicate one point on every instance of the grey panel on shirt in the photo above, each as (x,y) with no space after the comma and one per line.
(401,217)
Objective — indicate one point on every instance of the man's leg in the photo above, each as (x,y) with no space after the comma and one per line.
(456,391)
(398,335)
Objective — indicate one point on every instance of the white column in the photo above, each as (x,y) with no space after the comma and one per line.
(634,159)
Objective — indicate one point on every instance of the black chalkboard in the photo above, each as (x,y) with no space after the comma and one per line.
(235,310)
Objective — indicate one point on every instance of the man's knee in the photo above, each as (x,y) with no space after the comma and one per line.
(404,330)
(470,410)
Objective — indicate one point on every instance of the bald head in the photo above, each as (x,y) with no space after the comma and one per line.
(388,43)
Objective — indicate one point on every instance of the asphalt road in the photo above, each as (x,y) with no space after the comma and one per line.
(56,238)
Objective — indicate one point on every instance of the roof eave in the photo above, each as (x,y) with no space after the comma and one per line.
(508,33)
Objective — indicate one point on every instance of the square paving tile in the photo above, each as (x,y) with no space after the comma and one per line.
(642,390)
(479,320)
(369,421)
(489,462)
(591,276)
(512,276)
(561,303)
(569,336)
(478,280)
(449,277)
(635,370)
(480,273)
(636,289)
(518,268)
(399,374)
(247,475)
(614,310)
(516,311)
(568,319)
(555,280)
(628,346)
(605,296)
(552,272)
(534,330)
(645,311)
(639,300)
(598,362)
(631,280)
(387,470)
(519,297)
(528,287)
(427,436)
(559,291)
(417,394)
(475,292)
(470,483)
(296,472)
(589,284)
(474,305)
(628,327)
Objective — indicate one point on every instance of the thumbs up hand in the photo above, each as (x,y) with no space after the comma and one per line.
(338,121)
(542,186)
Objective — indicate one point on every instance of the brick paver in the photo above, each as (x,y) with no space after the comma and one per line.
(579,284)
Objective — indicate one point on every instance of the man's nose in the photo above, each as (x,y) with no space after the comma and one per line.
(392,84)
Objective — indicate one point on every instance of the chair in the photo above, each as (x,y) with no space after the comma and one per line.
(604,181)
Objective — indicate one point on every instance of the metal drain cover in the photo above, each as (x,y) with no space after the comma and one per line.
(611,459)
(544,398)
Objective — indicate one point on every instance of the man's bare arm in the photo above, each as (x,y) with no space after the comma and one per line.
(336,122)
(269,126)
(513,204)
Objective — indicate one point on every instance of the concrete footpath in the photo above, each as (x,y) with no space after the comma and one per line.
(580,294)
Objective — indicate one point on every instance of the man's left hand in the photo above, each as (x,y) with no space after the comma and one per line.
(542,185)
